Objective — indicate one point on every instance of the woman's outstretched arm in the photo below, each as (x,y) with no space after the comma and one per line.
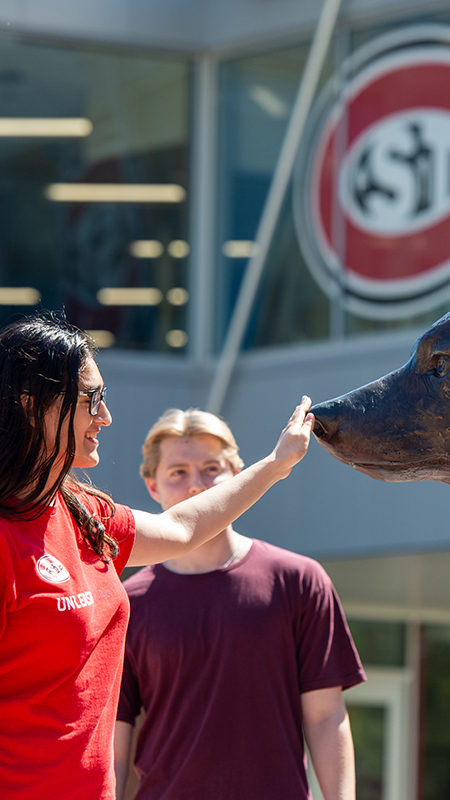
(184,527)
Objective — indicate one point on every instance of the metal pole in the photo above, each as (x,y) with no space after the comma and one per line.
(203,194)
(275,197)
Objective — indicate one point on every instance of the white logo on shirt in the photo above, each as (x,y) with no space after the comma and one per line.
(65,603)
(52,570)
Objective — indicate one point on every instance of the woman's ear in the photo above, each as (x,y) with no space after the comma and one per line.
(27,401)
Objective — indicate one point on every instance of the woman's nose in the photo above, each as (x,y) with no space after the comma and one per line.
(103,414)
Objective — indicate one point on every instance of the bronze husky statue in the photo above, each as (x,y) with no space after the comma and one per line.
(398,427)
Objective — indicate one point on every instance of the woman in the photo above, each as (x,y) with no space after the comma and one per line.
(63,543)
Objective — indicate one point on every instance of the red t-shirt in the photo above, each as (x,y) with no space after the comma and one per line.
(63,618)
(218,661)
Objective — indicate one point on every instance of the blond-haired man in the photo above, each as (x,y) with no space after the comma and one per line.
(237,651)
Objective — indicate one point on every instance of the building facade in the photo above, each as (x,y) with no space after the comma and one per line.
(141,146)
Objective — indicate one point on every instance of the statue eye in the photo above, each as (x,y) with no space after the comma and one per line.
(442,367)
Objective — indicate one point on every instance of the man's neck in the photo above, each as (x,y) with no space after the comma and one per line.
(229,547)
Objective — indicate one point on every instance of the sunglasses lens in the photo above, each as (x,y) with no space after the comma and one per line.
(95,402)
(96,398)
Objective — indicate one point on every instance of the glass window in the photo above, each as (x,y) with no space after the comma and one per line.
(296,300)
(436,700)
(368,728)
(257,95)
(93,190)
(379,643)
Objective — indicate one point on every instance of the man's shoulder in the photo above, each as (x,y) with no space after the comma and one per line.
(283,557)
(138,584)
(280,558)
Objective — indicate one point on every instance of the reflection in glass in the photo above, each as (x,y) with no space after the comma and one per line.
(70,248)
(368,728)
(178,248)
(257,95)
(435,711)
(379,643)
(146,248)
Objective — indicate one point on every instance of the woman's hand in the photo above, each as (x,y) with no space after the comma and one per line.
(294,439)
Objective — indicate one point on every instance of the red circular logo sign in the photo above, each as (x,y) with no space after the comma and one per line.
(372,188)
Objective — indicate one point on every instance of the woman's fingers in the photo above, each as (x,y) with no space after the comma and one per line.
(294,440)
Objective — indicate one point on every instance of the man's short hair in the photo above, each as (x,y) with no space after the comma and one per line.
(193,422)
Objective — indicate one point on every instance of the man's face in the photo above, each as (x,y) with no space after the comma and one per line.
(187,466)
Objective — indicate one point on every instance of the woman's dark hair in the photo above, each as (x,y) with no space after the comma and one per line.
(41,358)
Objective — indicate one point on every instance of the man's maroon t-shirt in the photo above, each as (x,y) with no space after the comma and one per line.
(218,661)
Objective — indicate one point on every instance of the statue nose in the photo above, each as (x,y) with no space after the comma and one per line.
(326,422)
